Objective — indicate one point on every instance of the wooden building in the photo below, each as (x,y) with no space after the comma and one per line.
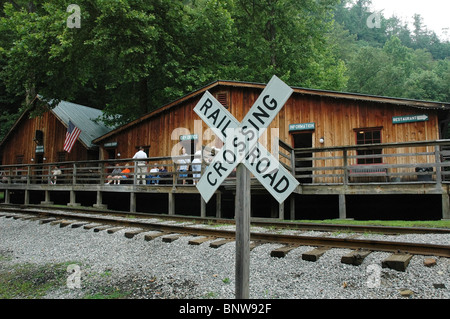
(309,119)
(324,130)
(41,139)
(352,153)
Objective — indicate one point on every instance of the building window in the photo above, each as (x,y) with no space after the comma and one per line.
(369,136)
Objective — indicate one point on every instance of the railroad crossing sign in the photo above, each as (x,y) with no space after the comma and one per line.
(241,148)
(241,142)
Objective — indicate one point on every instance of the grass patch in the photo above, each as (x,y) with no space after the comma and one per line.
(392,223)
(29,281)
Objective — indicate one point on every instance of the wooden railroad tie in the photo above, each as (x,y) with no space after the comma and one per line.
(397,261)
(355,257)
(219,243)
(58,222)
(172,238)
(315,254)
(79,224)
(101,227)
(282,251)
(47,220)
(152,236)
(90,226)
(132,233)
(65,223)
(113,230)
(200,240)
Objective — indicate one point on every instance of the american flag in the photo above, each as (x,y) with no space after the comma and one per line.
(71,136)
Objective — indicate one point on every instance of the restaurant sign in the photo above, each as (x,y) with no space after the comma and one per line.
(409,118)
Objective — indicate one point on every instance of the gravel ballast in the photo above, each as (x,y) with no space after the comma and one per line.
(157,270)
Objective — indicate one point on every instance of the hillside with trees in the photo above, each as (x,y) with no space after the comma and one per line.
(390,59)
(128,57)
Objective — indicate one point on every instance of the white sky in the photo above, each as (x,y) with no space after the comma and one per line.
(435,13)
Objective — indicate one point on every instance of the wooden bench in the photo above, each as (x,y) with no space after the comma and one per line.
(368,171)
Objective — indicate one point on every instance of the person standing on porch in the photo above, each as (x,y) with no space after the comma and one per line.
(141,168)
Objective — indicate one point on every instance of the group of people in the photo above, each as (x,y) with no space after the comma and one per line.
(118,174)
(196,166)
(155,175)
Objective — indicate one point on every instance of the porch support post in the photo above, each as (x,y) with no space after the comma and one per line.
(47,199)
(202,207)
(99,203)
(73,199)
(7,197)
(292,208)
(281,211)
(171,203)
(132,202)
(218,204)
(342,207)
(27,197)
(445,206)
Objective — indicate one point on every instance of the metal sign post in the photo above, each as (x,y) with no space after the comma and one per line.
(242,150)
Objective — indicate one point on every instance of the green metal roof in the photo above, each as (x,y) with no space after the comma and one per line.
(83,117)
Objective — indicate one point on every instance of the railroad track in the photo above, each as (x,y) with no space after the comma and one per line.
(402,252)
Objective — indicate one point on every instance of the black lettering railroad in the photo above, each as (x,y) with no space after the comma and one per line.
(262,115)
(216,116)
(241,142)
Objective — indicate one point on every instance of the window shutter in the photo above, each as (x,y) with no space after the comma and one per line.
(222,97)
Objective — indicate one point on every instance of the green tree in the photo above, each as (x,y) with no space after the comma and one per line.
(287,38)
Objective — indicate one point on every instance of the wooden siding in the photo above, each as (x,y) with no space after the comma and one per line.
(20,141)
(335,119)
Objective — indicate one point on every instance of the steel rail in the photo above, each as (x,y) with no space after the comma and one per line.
(352,228)
(349,243)
(261,222)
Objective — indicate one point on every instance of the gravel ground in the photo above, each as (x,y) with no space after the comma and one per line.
(159,270)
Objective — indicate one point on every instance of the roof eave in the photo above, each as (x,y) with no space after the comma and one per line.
(316,92)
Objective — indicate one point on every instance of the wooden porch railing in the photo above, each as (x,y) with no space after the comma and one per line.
(100,172)
(424,162)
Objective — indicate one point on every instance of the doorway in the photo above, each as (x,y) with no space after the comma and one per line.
(303,160)
(39,169)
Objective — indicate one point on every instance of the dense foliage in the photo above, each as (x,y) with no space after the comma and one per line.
(390,59)
(130,56)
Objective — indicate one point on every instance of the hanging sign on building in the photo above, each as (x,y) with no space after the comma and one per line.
(39,149)
(302,127)
(409,118)
(189,137)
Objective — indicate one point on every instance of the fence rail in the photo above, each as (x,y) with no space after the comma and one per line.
(157,171)
(425,162)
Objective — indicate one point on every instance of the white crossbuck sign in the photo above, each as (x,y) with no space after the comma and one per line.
(241,142)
